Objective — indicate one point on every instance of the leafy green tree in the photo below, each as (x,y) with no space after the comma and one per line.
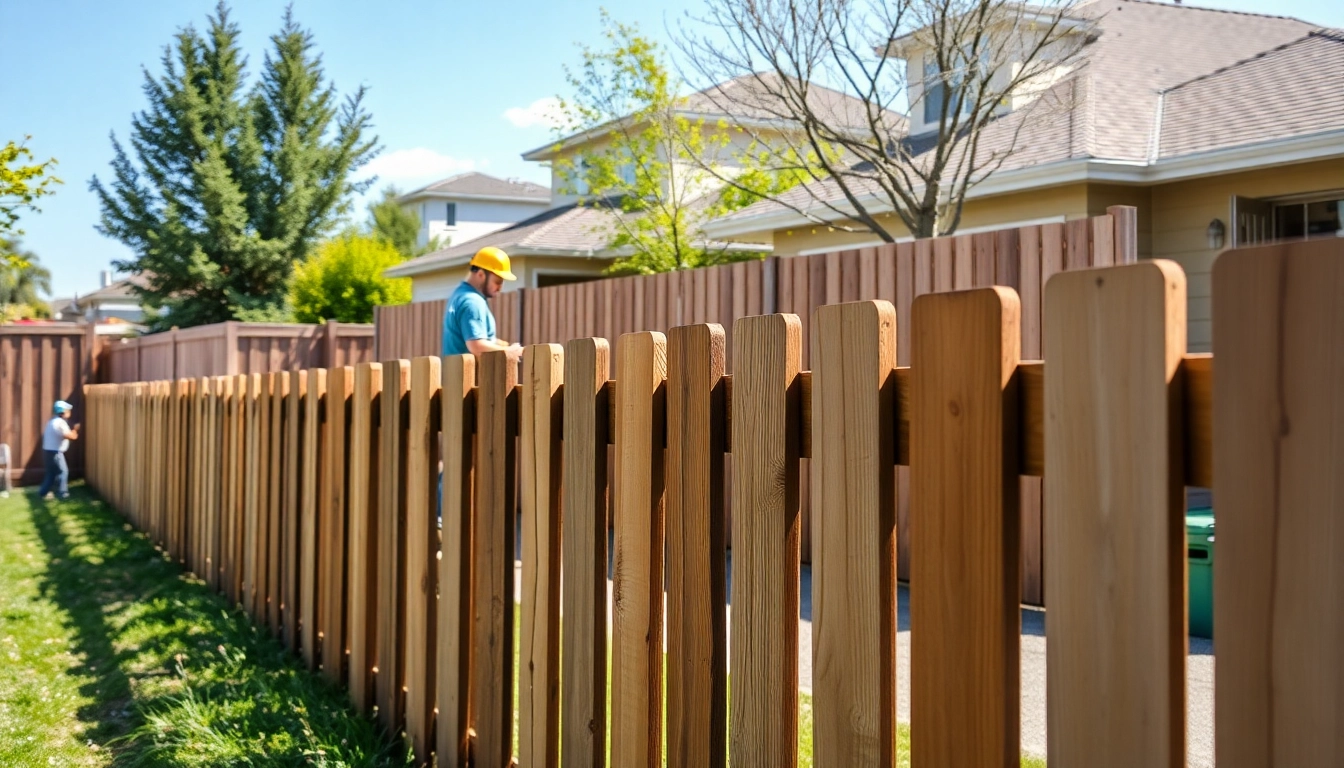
(20,188)
(227,187)
(343,280)
(389,221)
(22,281)
(652,167)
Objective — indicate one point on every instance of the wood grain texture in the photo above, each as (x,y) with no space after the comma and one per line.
(1278,585)
(541,409)
(455,572)
(390,672)
(340,386)
(853,429)
(362,554)
(493,544)
(418,644)
(697,670)
(964,575)
(763,662)
(275,539)
(583,595)
(295,410)
(1116,541)
(637,589)
(314,490)
(1197,410)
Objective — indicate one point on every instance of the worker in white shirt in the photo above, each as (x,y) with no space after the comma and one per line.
(55,442)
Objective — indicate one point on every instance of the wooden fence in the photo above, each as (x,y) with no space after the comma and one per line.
(238,348)
(309,497)
(38,366)
(1022,259)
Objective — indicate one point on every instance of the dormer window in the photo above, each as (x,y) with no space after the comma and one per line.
(940,86)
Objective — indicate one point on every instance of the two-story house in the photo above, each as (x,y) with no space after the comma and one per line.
(568,242)
(1222,128)
(469,205)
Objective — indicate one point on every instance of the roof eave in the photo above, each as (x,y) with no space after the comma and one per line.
(425,194)
(1209,163)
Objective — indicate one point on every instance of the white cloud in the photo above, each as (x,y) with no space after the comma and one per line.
(542,112)
(408,168)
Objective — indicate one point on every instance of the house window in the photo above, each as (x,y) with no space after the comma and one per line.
(938,84)
(627,172)
(450,218)
(1294,221)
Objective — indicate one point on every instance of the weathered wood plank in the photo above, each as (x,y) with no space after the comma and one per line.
(362,556)
(314,493)
(340,385)
(391,669)
(419,645)
(295,410)
(964,495)
(1116,541)
(854,534)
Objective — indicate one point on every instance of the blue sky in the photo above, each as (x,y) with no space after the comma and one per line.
(452,85)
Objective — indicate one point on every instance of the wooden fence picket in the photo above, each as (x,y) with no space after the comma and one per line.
(763,660)
(315,446)
(637,578)
(493,547)
(697,664)
(455,565)
(965,584)
(854,533)
(295,412)
(541,409)
(362,557)
(340,385)
(391,607)
(583,654)
(279,388)
(419,645)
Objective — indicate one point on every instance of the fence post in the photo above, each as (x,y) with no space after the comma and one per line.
(1115,541)
(1278,356)
(455,566)
(854,533)
(583,675)
(697,670)
(540,412)
(493,548)
(391,542)
(637,590)
(965,584)
(763,663)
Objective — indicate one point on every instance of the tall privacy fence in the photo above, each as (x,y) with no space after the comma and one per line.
(232,348)
(309,497)
(1022,259)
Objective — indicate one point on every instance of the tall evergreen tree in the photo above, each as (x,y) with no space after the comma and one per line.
(231,186)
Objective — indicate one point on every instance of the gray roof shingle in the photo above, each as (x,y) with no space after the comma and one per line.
(479,184)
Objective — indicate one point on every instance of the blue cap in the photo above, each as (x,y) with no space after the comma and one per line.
(63,407)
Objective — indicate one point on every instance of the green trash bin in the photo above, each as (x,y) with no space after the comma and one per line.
(1199,543)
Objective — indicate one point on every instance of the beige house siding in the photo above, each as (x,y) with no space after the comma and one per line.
(1182,211)
(1070,201)
(440,284)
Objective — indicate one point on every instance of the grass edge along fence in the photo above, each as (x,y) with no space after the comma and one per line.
(1022,258)
(308,497)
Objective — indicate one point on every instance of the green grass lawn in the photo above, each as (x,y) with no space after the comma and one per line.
(109,654)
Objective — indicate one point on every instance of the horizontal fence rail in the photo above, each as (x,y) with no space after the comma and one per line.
(311,498)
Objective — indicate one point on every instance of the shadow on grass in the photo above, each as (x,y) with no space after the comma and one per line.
(180,678)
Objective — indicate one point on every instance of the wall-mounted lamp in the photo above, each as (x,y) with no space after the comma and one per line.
(1217,233)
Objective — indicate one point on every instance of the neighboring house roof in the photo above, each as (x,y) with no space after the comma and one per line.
(1294,89)
(745,100)
(1221,79)
(118,292)
(479,186)
(569,230)
(577,230)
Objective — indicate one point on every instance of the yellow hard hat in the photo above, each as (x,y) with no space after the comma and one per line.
(492,259)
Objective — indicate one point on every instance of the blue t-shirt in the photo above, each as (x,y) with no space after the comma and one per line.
(467,318)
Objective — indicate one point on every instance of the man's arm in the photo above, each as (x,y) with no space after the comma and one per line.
(72,433)
(481,346)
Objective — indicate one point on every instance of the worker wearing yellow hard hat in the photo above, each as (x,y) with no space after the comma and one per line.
(468,324)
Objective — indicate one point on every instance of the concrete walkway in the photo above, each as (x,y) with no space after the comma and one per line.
(1199,672)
